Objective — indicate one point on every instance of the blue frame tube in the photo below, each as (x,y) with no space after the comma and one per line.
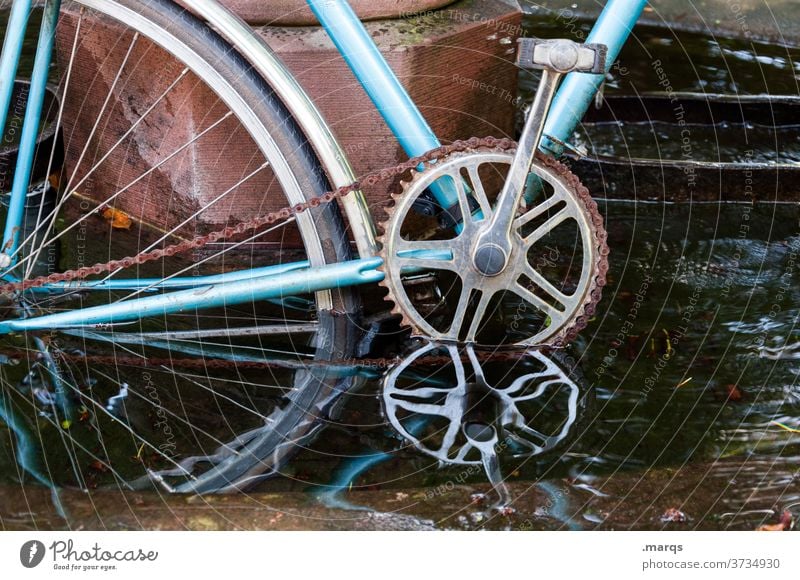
(12,49)
(30,126)
(612,28)
(380,83)
(304,281)
(373,72)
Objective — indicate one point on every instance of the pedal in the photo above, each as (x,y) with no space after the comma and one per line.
(561,55)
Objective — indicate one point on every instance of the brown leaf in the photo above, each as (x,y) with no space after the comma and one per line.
(734,393)
(119,219)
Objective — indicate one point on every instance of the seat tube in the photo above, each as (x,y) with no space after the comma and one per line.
(380,83)
(12,49)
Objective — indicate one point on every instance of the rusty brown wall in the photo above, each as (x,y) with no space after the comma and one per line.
(455,62)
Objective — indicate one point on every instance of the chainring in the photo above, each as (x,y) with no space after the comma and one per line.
(441,252)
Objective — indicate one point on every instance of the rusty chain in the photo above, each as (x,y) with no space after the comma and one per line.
(268,219)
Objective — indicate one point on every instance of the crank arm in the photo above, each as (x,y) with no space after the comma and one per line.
(556,58)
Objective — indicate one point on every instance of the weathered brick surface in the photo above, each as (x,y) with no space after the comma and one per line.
(456,63)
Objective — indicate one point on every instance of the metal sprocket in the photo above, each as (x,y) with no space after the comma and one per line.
(558,316)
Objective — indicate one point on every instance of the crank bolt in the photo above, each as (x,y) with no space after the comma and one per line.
(490,259)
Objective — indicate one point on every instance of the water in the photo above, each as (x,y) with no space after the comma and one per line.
(673,397)
(661,61)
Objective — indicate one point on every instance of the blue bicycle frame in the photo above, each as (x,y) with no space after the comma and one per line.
(384,89)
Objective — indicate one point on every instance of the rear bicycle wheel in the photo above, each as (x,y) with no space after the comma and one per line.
(168,133)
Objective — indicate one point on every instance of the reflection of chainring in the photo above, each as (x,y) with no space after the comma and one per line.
(562,315)
(431,406)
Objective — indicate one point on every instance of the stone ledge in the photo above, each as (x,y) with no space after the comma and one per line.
(297,13)
(456,63)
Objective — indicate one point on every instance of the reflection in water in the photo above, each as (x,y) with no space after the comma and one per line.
(708,421)
(27,449)
(496,407)
(474,406)
(262,452)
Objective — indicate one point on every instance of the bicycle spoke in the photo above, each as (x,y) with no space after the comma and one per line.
(545,228)
(113,113)
(461,311)
(531,298)
(537,210)
(207,259)
(479,314)
(554,293)
(426,263)
(479,192)
(72,441)
(103,108)
(171,414)
(51,218)
(288,328)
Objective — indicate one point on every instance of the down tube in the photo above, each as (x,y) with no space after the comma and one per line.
(30,130)
(613,27)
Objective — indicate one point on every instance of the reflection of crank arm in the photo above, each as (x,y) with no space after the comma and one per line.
(492,249)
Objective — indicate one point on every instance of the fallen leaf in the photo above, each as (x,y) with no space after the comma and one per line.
(119,219)
(734,394)
(784,524)
(55,180)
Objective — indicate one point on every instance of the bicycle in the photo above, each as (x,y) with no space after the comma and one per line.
(478,254)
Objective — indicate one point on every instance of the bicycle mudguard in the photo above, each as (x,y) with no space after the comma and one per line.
(332,156)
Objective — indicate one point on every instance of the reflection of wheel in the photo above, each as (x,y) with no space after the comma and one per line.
(476,405)
(554,275)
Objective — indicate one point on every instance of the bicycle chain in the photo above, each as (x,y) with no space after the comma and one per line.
(268,219)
